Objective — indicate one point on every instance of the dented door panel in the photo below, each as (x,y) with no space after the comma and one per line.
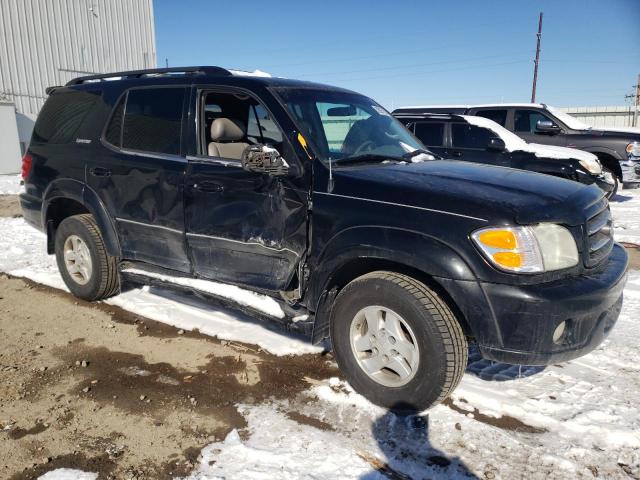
(243,227)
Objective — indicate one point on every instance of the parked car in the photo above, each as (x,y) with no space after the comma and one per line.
(478,139)
(617,148)
(332,211)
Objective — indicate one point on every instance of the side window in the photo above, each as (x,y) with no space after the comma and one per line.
(230,122)
(430,133)
(498,116)
(526,120)
(152,121)
(469,136)
(113,134)
(62,116)
(261,128)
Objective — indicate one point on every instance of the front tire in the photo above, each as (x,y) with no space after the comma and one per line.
(397,341)
(87,269)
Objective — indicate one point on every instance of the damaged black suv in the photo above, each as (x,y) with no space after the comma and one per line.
(318,198)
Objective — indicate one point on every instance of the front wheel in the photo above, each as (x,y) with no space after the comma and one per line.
(397,342)
(87,269)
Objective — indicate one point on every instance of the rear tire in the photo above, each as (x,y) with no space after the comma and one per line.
(422,362)
(87,269)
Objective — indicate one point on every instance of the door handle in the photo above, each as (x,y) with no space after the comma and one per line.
(208,187)
(100,172)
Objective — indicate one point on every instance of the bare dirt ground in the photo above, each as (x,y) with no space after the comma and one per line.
(9,206)
(97,388)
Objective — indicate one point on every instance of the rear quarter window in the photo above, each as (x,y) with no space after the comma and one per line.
(430,133)
(62,115)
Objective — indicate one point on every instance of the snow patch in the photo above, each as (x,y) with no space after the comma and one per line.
(68,474)
(10,185)
(255,73)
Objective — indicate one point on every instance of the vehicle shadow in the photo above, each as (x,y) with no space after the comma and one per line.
(404,440)
(621,198)
(496,371)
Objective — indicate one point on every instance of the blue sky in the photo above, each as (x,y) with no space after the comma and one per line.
(417,52)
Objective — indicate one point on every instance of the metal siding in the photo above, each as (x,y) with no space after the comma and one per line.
(605,116)
(45,43)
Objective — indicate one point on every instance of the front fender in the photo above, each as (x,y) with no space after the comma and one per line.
(77,191)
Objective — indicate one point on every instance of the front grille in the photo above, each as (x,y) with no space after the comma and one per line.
(598,233)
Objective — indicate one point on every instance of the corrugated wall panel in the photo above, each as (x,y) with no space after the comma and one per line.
(45,42)
(603,116)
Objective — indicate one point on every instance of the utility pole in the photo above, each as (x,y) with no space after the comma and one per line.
(166,62)
(636,102)
(536,61)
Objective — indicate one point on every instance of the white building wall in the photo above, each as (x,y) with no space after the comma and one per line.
(48,42)
(606,116)
(9,146)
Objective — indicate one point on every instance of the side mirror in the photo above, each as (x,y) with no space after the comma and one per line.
(496,144)
(546,126)
(264,159)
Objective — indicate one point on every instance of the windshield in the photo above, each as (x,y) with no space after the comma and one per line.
(568,120)
(343,126)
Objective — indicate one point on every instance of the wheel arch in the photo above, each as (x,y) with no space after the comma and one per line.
(346,259)
(66,197)
(609,159)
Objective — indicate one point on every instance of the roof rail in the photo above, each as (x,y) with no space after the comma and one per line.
(202,70)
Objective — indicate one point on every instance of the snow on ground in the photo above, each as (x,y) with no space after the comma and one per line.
(10,184)
(626,216)
(23,254)
(580,419)
(68,474)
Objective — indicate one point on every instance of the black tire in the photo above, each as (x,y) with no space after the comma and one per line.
(443,347)
(616,183)
(104,281)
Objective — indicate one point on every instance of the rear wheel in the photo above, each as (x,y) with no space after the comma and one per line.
(397,342)
(87,269)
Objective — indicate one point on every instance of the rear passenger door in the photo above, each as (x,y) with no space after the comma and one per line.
(469,143)
(432,135)
(139,175)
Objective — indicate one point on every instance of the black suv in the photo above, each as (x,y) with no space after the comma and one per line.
(617,148)
(318,198)
(479,139)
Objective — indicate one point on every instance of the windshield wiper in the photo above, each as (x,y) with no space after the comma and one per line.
(419,151)
(366,158)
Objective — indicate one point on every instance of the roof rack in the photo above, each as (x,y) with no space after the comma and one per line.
(202,70)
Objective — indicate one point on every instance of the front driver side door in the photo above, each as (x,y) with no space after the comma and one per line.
(469,143)
(242,227)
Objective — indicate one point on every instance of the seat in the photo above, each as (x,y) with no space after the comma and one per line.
(225,142)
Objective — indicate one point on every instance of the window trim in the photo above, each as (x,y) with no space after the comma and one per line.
(180,157)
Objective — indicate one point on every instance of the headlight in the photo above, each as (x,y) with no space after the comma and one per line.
(591,165)
(634,149)
(532,249)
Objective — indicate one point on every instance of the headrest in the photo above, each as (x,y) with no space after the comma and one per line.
(227,130)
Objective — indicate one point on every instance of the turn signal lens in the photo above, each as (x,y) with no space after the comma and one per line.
(508,259)
(503,239)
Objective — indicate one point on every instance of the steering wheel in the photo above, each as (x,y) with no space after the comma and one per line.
(366,146)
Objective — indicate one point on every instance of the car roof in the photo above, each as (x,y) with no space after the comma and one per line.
(193,74)
(461,107)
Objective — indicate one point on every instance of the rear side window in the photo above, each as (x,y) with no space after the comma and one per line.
(149,120)
(430,133)
(62,115)
(464,135)
(498,116)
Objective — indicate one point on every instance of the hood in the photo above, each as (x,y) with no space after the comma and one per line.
(626,133)
(497,194)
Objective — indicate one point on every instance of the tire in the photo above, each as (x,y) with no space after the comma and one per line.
(441,345)
(100,280)
(613,192)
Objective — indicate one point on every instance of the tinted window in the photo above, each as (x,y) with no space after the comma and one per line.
(498,116)
(526,120)
(431,134)
(113,134)
(469,136)
(153,120)
(62,115)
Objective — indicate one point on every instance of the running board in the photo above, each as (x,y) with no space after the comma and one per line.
(257,305)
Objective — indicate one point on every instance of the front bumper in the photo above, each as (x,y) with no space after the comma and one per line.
(516,323)
(605,182)
(630,171)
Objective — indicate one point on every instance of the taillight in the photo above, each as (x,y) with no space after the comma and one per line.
(27,162)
